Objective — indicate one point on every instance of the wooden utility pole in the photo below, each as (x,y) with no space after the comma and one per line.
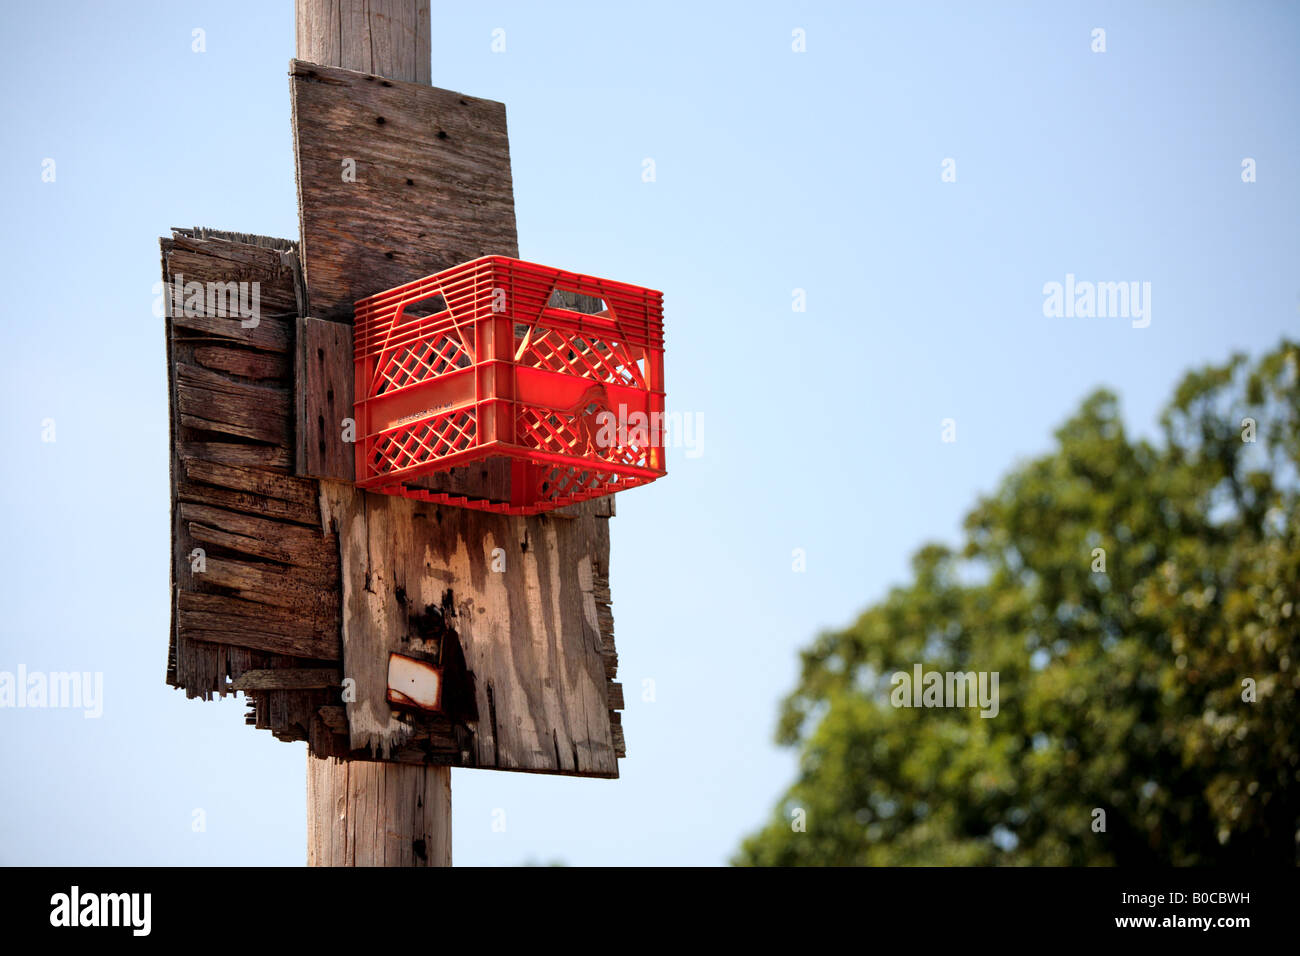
(373,813)
(388,38)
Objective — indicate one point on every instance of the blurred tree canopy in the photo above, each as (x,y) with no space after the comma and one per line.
(1120,690)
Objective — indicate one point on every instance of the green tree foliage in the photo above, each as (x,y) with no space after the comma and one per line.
(1120,690)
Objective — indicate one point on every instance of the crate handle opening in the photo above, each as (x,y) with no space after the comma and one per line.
(572,300)
(423,308)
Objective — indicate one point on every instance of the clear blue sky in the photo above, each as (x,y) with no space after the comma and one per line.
(776,170)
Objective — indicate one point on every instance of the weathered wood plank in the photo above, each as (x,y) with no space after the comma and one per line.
(261,537)
(270,584)
(234,488)
(267,484)
(211,401)
(273,333)
(292,631)
(243,362)
(288,678)
(416,576)
(208,255)
(432,184)
(274,458)
(298,624)
(323,381)
(241,544)
(249,502)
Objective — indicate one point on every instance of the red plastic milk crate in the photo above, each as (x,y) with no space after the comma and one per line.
(473,389)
